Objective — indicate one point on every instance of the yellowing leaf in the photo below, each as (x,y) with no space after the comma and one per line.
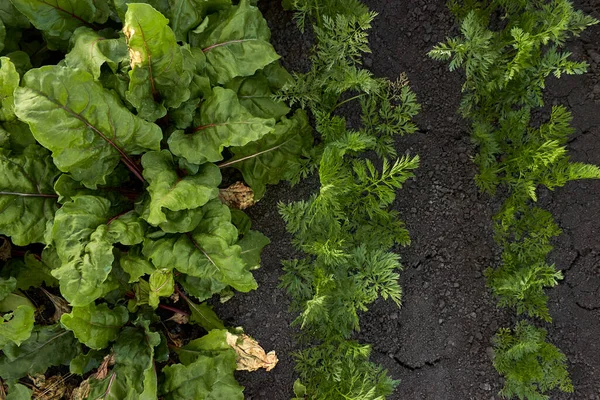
(250,355)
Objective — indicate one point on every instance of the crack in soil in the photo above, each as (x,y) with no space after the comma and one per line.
(417,367)
(587,308)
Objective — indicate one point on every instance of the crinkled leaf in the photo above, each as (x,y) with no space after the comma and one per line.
(256,96)
(89,51)
(161,284)
(9,81)
(222,122)
(95,326)
(16,327)
(170,191)
(250,355)
(84,232)
(47,346)
(252,244)
(27,200)
(135,265)
(84,363)
(208,251)
(187,14)
(208,378)
(134,353)
(85,126)
(61,17)
(203,315)
(158,77)
(235,41)
(214,342)
(269,160)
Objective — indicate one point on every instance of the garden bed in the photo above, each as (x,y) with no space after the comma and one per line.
(439,343)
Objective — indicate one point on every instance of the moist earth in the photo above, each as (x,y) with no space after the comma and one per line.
(438,344)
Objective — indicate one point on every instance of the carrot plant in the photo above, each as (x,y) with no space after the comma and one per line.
(346,230)
(117,120)
(507,50)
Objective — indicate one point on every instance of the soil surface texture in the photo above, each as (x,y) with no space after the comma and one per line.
(438,344)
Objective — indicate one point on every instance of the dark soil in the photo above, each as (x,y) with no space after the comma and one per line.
(438,344)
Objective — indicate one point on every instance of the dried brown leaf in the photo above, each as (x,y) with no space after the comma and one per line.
(60,305)
(102,371)
(237,196)
(5,248)
(52,388)
(250,355)
(180,319)
(82,392)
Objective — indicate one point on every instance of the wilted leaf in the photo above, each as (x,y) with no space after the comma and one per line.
(5,249)
(60,306)
(250,355)
(238,196)
(85,141)
(52,388)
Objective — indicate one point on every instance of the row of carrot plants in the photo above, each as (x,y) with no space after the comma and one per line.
(507,50)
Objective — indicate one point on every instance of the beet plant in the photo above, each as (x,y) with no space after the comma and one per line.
(346,230)
(117,120)
(507,50)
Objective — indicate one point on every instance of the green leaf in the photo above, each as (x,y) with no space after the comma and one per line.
(187,14)
(208,377)
(46,347)
(16,327)
(86,141)
(256,96)
(135,265)
(121,6)
(134,354)
(13,301)
(161,284)
(170,191)
(84,363)
(207,252)
(96,326)
(203,315)
(30,271)
(2,35)
(27,199)
(16,391)
(158,77)
(222,122)
(252,244)
(9,81)
(12,17)
(235,41)
(275,156)
(84,232)
(61,17)
(89,51)
(7,286)
(210,344)
(200,288)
